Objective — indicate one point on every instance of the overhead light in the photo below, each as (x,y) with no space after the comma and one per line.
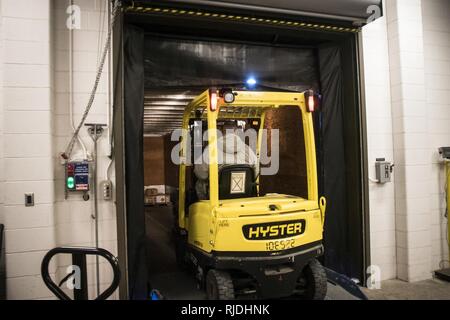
(251,82)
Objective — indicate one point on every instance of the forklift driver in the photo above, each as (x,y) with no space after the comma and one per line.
(234,151)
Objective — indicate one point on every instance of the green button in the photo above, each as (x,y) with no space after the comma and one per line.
(70,183)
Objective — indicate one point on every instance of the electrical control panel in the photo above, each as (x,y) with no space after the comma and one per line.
(77,176)
(445,152)
(383,171)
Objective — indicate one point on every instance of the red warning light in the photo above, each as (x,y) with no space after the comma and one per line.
(213,101)
(311,103)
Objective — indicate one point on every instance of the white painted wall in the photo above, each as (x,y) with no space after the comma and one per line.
(380,145)
(2,175)
(436,34)
(74,225)
(407,66)
(27,145)
(37,128)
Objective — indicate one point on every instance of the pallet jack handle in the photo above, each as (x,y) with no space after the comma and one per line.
(79,255)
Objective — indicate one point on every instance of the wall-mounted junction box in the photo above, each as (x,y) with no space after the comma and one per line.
(106,188)
(383,170)
(445,152)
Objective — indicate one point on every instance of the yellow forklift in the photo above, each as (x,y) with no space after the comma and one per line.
(243,243)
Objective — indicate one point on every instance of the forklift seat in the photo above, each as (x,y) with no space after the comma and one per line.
(237,181)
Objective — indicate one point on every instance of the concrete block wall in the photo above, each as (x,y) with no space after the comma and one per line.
(27,144)
(380,145)
(73,85)
(36,128)
(406,60)
(436,35)
(407,65)
(411,141)
(2,174)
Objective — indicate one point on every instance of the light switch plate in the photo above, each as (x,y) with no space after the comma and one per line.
(29,199)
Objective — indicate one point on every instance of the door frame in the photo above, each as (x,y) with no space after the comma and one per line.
(119,154)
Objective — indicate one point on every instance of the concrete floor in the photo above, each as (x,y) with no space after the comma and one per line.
(178,285)
(400,290)
(164,274)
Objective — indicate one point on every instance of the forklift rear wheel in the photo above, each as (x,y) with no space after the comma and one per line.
(313,282)
(219,285)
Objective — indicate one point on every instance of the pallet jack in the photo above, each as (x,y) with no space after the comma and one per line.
(79,275)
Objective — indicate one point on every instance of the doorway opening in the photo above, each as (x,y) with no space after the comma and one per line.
(169,61)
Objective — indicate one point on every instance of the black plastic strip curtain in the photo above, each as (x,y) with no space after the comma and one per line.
(134,178)
(336,232)
(176,63)
(180,63)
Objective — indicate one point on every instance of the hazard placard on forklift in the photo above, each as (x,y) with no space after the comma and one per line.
(237,184)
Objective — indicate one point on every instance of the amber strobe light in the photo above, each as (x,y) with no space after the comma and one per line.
(311,104)
(213,101)
(310,101)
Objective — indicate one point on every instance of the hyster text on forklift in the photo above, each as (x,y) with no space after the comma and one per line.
(237,241)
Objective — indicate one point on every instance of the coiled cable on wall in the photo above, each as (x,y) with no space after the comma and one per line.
(115,11)
(72,124)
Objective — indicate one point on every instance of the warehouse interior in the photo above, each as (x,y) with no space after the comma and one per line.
(382,69)
(169,60)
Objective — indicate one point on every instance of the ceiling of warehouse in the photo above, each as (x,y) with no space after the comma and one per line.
(163,109)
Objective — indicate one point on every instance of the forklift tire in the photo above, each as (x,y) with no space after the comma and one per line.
(219,285)
(315,279)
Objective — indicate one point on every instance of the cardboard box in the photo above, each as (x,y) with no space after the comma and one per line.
(150,200)
(158,199)
(161,199)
